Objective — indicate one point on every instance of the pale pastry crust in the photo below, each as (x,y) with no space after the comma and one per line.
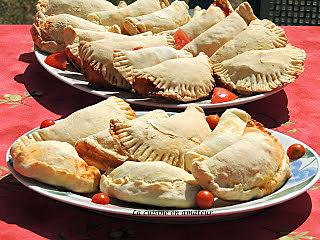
(55,163)
(168,18)
(73,36)
(137,8)
(216,36)
(181,79)
(151,183)
(85,122)
(126,62)
(253,167)
(229,130)
(79,8)
(201,22)
(97,58)
(261,70)
(164,140)
(99,149)
(47,32)
(260,35)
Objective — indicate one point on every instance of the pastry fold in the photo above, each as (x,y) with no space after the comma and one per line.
(99,149)
(181,79)
(261,70)
(216,36)
(151,183)
(168,18)
(55,163)
(164,140)
(252,167)
(85,122)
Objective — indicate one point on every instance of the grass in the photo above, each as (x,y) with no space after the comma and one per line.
(22,11)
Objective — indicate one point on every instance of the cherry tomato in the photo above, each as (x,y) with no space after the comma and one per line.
(296,151)
(100,198)
(47,123)
(213,121)
(57,60)
(137,48)
(221,95)
(204,199)
(180,39)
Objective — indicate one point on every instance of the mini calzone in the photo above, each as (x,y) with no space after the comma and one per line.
(181,79)
(55,163)
(230,128)
(137,8)
(253,167)
(47,32)
(127,61)
(79,8)
(97,58)
(99,149)
(203,20)
(164,140)
(261,70)
(73,36)
(216,36)
(85,122)
(151,183)
(260,35)
(168,18)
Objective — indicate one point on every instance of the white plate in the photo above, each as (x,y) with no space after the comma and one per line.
(73,78)
(305,173)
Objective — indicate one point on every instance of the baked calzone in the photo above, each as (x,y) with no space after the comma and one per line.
(216,36)
(230,128)
(260,35)
(261,70)
(137,8)
(47,31)
(151,183)
(127,61)
(55,163)
(164,140)
(99,149)
(181,79)
(97,58)
(168,18)
(85,122)
(203,20)
(253,167)
(79,8)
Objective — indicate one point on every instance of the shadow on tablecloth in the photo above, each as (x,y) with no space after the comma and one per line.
(63,99)
(55,220)
(56,96)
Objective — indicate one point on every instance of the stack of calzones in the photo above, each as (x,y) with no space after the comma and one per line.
(154,159)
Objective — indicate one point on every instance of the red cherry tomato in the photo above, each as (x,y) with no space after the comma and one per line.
(47,123)
(100,198)
(137,48)
(221,95)
(213,121)
(57,60)
(180,39)
(204,199)
(296,151)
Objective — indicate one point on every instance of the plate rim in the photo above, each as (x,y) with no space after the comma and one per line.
(147,102)
(123,211)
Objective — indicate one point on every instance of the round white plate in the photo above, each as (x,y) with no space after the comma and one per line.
(305,172)
(73,78)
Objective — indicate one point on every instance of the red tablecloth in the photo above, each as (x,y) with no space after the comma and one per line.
(28,94)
